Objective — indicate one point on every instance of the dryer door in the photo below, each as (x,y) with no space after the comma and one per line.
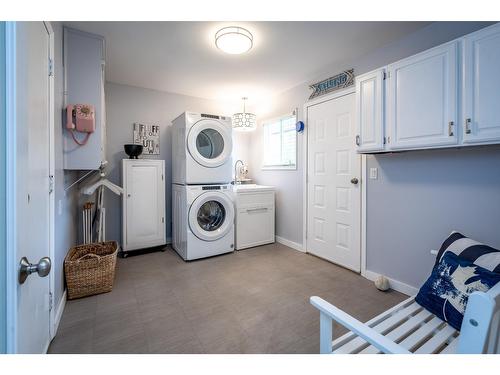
(209,143)
(211,216)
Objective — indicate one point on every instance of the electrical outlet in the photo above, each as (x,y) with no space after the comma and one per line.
(373,173)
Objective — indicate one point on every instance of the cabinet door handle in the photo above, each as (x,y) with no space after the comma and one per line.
(467,126)
(450,128)
(357,140)
(256,209)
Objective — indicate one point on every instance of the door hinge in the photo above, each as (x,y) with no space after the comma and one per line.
(385,76)
(51,184)
(51,68)
(162,177)
(162,219)
(51,301)
(450,128)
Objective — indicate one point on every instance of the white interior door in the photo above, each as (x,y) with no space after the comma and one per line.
(32,182)
(333,194)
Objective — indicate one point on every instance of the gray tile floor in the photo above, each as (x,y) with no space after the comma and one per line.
(251,301)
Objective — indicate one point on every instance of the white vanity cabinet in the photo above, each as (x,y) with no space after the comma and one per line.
(143,203)
(254,215)
(481,112)
(370,102)
(422,99)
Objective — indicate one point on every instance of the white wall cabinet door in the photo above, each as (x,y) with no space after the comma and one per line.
(422,94)
(370,111)
(481,86)
(143,204)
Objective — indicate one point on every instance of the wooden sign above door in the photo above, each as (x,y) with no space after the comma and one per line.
(337,82)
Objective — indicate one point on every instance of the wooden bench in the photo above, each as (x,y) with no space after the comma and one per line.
(409,328)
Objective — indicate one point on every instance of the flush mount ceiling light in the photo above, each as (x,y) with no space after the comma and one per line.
(244,121)
(234,40)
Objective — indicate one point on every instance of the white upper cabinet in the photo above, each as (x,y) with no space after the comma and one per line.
(481,112)
(370,111)
(422,94)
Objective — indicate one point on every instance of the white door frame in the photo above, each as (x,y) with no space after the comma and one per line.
(325,98)
(12,263)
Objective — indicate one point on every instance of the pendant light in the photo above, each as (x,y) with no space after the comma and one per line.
(244,121)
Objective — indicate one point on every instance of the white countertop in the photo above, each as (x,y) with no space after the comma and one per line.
(247,188)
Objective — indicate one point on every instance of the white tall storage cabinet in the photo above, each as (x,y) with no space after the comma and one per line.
(143,204)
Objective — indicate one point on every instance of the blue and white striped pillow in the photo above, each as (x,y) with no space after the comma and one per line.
(480,254)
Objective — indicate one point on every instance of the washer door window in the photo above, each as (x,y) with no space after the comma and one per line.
(209,143)
(211,216)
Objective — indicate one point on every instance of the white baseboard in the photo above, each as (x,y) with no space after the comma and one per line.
(394,284)
(293,245)
(59,311)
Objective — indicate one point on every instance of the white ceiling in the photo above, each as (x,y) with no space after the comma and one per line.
(181,57)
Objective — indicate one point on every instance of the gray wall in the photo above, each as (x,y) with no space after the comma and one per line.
(67,219)
(126,105)
(288,183)
(434,180)
(420,197)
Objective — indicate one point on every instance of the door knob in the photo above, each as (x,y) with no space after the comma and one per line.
(354,181)
(26,268)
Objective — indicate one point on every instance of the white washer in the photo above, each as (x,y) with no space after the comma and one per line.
(203,217)
(201,149)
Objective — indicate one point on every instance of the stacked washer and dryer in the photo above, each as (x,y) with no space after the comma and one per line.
(202,203)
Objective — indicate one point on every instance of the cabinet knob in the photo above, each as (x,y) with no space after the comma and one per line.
(357,140)
(128,195)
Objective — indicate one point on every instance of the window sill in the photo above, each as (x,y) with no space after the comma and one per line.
(280,168)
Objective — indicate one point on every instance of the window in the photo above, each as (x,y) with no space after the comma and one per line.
(280,143)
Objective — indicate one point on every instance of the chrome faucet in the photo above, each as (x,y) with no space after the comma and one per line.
(236,174)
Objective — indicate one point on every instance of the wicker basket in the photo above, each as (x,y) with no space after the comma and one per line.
(90,269)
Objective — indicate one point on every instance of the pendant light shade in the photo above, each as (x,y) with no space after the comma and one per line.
(243,121)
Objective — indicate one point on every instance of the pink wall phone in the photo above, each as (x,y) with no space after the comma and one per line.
(80,117)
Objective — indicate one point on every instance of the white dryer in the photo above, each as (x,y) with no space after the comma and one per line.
(201,149)
(203,217)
